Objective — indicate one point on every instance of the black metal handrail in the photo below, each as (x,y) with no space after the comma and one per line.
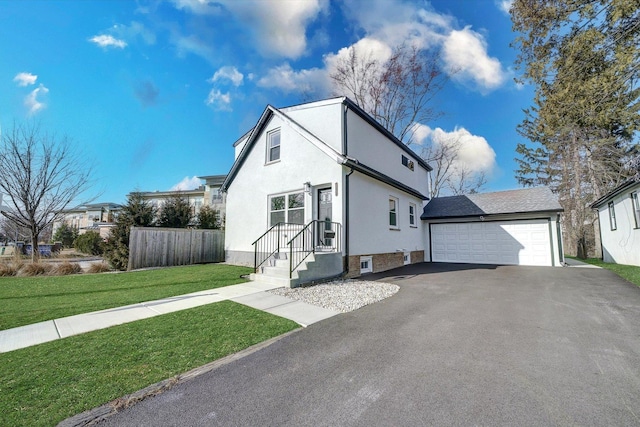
(317,235)
(270,242)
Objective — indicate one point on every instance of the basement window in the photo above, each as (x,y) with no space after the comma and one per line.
(366,264)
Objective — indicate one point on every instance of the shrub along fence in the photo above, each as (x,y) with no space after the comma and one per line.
(164,247)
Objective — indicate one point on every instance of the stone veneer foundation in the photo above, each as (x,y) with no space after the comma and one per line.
(383,262)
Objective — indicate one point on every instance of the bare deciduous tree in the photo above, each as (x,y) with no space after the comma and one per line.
(41,176)
(397,93)
(449,174)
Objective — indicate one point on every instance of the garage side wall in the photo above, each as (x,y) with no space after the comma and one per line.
(505,229)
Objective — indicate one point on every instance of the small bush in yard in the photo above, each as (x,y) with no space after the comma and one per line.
(101,267)
(9,269)
(35,269)
(89,243)
(66,268)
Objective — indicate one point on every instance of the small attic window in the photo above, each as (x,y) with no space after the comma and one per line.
(273,146)
(406,162)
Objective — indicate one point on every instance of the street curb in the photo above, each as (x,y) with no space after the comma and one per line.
(95,415)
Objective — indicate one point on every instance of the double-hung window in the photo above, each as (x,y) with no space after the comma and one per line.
(393,212)
(635,203)
(273,146)
(612,216)
(286,208)
(412,214)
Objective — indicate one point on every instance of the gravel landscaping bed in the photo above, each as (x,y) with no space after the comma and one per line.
(342,296)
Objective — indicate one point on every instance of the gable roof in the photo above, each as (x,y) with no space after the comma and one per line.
(627,185)
(266,116)
(527,200)
(341,158)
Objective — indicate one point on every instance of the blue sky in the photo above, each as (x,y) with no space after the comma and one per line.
(155,92)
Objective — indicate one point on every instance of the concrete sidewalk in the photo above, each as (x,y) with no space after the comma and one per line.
(251,294)
(575,263)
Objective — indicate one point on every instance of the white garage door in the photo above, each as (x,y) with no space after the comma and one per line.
(525,242)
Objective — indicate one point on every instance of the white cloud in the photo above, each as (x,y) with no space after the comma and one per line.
(32,102)
(389,24)
(218,100)
(200,7)
(465,52)
(279,26)
(25,79)
(192,44)
(187,184)
(228,73)
(106,40)
(285,78)
(504,5)
(134,30)
(474,154)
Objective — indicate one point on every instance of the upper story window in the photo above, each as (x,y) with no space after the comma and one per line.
(406,162)
(216,195)
(393,212)
(612,216)
(636,208)
(412,214)
(273,146)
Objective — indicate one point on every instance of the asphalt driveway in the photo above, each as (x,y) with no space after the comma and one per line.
(457,345)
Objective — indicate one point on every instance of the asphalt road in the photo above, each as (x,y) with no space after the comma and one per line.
(457,345)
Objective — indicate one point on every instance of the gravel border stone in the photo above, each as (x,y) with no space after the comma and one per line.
(340,295)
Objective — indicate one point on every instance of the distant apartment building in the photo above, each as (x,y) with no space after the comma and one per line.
(208,194)
(99,217)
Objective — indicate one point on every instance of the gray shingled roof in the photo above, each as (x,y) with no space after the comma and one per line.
(539,199)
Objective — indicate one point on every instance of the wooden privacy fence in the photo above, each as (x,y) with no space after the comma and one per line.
(164,247)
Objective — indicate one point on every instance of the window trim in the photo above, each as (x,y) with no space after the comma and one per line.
(408,163)
(412,216)
(395,212)
(270,135)
(612,216)
(369,261)
(635,208)
(286,209)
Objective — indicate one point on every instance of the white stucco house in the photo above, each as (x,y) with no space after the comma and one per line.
(619,218)
(322,189)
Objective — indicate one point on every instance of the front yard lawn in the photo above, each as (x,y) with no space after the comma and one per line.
(628,272)
(47,383)
(26,300)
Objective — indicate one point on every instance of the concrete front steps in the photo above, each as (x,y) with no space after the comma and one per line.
(316,266)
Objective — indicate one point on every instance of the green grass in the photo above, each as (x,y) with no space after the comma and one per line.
(26,300)
(628,272)
(47,383)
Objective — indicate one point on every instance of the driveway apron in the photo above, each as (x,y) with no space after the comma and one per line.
(457,345)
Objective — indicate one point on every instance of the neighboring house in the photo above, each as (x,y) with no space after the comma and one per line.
(322,189)
(518,227)
(97,217)
(619,219)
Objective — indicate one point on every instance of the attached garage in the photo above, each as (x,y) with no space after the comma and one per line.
(518,227)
